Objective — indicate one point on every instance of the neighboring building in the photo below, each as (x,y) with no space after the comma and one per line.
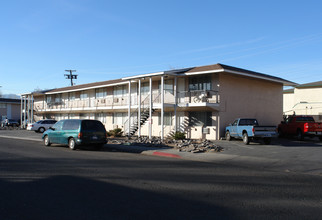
(10,108)
(304,99)
(199,101)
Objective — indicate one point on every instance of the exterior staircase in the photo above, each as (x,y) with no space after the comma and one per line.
(145,114)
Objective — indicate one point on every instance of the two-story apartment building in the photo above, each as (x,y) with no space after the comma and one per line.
(199,101)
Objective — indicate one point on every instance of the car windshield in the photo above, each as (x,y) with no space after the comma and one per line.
(92,125)
(11,120)
(38,122)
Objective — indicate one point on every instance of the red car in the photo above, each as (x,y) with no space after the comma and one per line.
(300,125)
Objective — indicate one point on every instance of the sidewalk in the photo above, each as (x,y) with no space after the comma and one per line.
(274,157)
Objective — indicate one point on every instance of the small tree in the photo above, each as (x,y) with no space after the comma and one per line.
(117,132)
(179,135)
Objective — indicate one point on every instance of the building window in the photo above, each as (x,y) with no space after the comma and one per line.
(200,119)
(168,86)
(200,83)
(48,99)
(3,105)
(83,95)
(71,96)
(167,118)
(120,91)
(100,93)
(145,88)
(119,118)
(101,117)
(58,98)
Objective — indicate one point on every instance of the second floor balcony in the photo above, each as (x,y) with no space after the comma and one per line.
(184,99)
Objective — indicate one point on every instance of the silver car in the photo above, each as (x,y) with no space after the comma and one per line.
(41,126)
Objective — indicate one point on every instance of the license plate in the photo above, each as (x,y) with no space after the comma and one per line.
(268,135)
(94,137)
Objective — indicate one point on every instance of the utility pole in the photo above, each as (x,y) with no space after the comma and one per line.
(71,76)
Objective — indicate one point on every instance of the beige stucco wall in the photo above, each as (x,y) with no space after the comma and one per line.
(288,103)
(243,97)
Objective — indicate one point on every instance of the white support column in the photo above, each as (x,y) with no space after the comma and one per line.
(24,112)
(162,107)
(175,104)
(28,104)
(139,110)
(21,126)
(129,110)
(32,108)
(150,110)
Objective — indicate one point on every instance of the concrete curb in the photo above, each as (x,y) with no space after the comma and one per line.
(163,154)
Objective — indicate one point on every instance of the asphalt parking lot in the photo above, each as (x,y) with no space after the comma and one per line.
(285,154)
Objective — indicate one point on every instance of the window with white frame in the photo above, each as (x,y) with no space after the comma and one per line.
(145,88)
(48,99)
(200,83)
(119,118)
(168,86)
(200,119)
(120,91)
(71,96)
(167,118)
(101,117)
(101,93)
(58,98)
(83,95)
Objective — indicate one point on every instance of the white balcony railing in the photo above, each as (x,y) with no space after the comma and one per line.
(207,96)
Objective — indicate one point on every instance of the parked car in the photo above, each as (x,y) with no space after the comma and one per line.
(249,129)
(9,122)
(301,126)
(41,126)
(76,132)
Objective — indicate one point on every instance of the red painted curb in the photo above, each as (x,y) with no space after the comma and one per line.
(166,154)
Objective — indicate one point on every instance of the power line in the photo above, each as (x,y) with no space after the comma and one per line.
(71,76)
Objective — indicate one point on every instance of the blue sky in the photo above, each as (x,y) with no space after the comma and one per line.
(106,40)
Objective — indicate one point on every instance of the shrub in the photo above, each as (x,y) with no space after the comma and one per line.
(117,132)
(179,135)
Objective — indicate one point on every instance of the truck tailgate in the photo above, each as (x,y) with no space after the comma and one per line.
(265,131)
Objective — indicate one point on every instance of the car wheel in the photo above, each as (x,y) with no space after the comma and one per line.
(299,135)
(245,138)
(228,137)
(72,144)
(41,130)
(47,141)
